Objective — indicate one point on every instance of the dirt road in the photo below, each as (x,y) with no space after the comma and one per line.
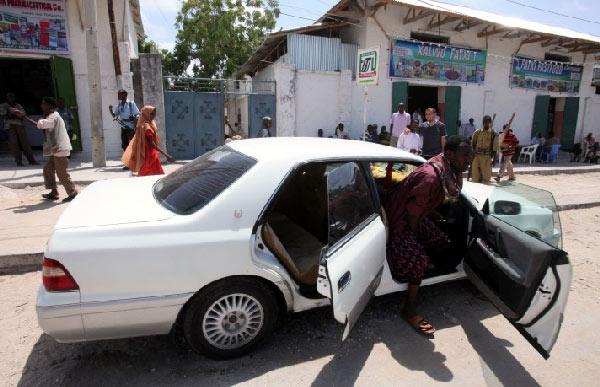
(473,346)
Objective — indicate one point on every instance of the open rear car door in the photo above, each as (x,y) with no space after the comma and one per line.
(515,260)
(351,264)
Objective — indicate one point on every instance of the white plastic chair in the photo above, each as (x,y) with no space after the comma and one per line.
(529,151)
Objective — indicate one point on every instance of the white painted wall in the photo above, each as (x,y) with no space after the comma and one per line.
(112,135)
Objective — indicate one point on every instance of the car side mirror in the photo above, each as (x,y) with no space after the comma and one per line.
(506,207)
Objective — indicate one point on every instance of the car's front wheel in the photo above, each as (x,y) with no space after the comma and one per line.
(230,317)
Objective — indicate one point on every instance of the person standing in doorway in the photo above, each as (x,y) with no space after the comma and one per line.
(66,115)
(400,120)
(11,112)
(57,148)
(339,131)
(433,133)
(508,148)
(468,129)
(413,236)
(267,122)
(126,113)
(418,116)
(485,145)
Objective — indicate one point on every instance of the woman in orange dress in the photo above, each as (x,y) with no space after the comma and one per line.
(143,154)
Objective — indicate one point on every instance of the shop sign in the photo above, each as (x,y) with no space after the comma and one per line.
(368,66)
(545,75)
(34,26)
(440,62)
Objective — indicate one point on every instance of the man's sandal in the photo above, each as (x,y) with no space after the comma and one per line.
(421,325)
(50,196)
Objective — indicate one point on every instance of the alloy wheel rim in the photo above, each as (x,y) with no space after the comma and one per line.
(233,321)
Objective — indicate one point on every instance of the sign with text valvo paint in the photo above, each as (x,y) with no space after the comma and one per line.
(440,62)
(368,66)
(545,75)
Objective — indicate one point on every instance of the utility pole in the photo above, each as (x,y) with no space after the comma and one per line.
(95,92)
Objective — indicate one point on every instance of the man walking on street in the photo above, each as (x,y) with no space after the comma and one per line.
(508,145)
(11,112)
(57,147)
(433,133)
(400,120)
(485,145)
(127,113)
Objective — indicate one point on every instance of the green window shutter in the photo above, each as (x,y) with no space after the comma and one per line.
(540,115)
(399,94)
(64,86)
(569,122)
(452,109)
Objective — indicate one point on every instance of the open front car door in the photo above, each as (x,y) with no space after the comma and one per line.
(515,259)
(351,264)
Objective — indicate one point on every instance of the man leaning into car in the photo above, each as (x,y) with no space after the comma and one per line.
(411,232)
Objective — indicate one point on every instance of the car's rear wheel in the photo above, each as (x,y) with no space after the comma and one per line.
(230,317)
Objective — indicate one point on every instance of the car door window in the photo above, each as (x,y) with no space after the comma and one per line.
(349,199)
(531,210)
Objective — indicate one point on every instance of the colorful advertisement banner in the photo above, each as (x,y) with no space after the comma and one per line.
(438,62)
(34,26)
(368,66)
(545,75)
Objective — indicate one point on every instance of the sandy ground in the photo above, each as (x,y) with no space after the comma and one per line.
(27,219)
(474,345)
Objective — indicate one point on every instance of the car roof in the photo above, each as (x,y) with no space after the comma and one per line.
(298,149)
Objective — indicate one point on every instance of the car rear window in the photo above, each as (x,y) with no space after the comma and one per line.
(194,185)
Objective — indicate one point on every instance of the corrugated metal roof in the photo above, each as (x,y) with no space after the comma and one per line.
(508,21)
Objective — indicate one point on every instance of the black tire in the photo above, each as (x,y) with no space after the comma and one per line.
(196,310)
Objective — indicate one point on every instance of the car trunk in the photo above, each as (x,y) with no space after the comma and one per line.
(111,202)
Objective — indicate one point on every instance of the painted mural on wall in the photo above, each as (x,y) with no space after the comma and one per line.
(440,62)
(34,26)
(544,75)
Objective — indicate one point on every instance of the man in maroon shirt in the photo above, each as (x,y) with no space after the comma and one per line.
(411,231)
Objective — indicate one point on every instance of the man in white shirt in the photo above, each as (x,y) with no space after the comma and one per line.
(57,147)
(400,120)
(267,122)
(409,140)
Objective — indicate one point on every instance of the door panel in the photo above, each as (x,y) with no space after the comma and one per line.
(452,109)
(179,106)
(209,122)
(570,122)
(540,115)
(259,106)
(400,94)
(352,264)
(64,86)
(524,277)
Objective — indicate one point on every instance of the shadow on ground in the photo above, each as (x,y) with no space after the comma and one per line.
(304,337)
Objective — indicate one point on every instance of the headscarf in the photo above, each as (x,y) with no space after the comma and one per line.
(135,154)
(450,180)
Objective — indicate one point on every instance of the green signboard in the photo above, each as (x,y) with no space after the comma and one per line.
(440,62)
(545,75)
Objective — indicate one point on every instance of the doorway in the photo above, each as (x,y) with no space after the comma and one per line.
(421,98)
(33,79)
(556,115)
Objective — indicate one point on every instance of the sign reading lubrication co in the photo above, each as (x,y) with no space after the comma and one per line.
(368,66)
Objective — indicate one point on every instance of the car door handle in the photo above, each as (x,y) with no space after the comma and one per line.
(344,281)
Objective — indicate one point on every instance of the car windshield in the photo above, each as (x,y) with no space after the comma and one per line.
(194,185)
(529,209)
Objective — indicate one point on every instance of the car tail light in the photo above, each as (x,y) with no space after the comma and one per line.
(56,277)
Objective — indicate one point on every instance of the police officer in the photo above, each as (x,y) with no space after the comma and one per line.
(485,145)
(126,113)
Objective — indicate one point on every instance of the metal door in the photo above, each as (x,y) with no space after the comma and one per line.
(259,106)
(194,123)
(64,87)
(209,121)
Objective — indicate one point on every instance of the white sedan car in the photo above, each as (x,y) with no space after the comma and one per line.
(223,247)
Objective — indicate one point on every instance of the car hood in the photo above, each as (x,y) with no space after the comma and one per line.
(112,202)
